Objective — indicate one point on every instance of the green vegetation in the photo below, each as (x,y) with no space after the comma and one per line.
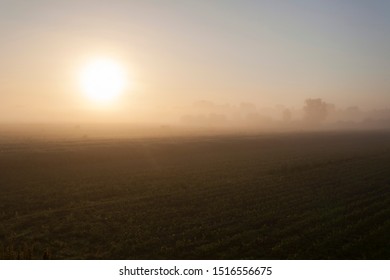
(282,196)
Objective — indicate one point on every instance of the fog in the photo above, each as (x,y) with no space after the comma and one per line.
(200,118)
(314,114)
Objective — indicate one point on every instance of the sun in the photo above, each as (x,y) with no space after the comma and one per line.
(103,80)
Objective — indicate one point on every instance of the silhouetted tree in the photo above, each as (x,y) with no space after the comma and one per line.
(315,110)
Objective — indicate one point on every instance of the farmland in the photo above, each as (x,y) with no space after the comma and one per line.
(272,196)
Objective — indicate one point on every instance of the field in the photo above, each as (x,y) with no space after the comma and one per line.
(274,196)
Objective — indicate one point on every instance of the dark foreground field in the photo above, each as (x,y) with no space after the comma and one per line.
(282,196)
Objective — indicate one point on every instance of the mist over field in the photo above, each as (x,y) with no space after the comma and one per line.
(205,117)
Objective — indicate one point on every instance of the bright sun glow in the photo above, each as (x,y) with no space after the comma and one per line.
(103,80)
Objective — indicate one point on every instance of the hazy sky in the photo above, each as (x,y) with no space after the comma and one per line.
(267,52)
